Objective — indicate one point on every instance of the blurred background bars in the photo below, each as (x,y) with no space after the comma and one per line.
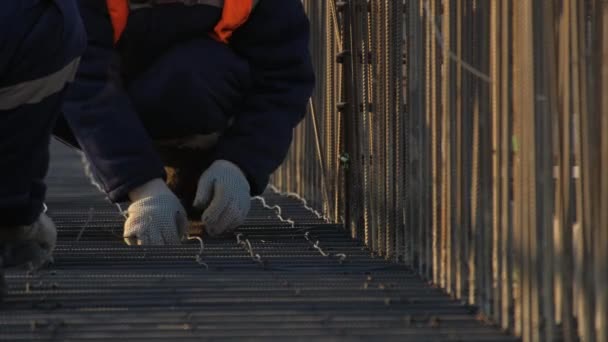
(464,138)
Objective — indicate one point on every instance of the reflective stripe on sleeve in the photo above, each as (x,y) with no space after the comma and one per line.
(34,91)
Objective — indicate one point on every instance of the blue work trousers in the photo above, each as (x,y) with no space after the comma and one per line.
(40,45)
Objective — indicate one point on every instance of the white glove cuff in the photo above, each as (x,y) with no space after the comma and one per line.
(153,188)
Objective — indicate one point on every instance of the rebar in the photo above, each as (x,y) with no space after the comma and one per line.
(278,282)
(474,150)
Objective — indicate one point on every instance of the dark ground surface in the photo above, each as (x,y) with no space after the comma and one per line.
(98,289)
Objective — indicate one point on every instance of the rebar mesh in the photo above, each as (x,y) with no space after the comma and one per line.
(465,139)
(287,275)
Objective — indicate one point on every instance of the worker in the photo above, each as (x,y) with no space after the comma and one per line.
(40,45)
(184,108)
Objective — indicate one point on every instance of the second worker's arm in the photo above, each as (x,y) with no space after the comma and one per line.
(119,150)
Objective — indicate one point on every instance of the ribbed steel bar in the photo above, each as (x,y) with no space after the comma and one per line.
(601,233)
(592,175)
(495,110)
(466,152)
(445,212)
(506,278)
(459,258)
(414,107)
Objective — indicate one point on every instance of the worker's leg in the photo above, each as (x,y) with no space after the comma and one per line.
(186,100)
(41,43)
(194,88)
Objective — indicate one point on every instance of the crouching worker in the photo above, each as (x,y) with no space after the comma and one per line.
(40,42)
(185,107)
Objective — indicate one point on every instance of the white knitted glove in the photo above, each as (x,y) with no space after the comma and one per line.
(156,216)
(224,196)
(33,243)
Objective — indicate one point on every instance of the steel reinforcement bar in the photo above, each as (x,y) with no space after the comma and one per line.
(466,139)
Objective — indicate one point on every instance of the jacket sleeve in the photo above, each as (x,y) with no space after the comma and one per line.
(275,43)
(101,115)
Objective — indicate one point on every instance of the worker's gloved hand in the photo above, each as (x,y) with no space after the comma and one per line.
(156,216)
(224,196)
(33,243)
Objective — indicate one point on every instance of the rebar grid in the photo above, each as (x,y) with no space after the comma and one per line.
(471,148)
(288,274)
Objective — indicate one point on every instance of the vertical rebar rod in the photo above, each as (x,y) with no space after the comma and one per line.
(506,168)
(600,233)
(445,147)
(496,152)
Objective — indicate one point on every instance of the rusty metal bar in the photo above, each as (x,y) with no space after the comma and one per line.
(480,151)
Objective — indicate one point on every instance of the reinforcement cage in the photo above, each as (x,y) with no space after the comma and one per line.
(464,139)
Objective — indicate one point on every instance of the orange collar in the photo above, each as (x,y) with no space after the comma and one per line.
(234,14)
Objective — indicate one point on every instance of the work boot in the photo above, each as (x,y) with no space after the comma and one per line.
(32,244)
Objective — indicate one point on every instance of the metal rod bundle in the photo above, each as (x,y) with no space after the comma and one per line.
(467,139)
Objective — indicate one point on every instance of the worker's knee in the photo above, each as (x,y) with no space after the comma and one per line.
(42,41)
(196,88)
